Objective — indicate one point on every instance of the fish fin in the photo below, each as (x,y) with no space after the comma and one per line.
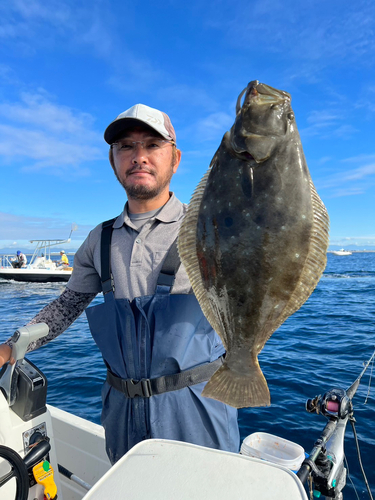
(239,391)
(187,249)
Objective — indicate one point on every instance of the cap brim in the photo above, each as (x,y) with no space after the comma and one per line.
(118,127)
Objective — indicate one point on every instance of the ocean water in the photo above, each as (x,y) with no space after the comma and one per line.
(322,346)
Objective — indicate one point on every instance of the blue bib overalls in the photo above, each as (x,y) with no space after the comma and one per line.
(151,337)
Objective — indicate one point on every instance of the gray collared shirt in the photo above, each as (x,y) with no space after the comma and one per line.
(136,255)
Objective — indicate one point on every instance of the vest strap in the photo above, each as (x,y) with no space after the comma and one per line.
(146,388)
(105,256)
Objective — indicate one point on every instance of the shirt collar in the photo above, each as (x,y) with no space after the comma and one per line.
(171,212)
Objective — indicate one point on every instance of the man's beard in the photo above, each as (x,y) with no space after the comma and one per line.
(141,192)
(145,192)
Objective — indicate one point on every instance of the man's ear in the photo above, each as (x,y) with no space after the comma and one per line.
(177,161)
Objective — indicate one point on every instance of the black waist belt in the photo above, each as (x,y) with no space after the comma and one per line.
(150,386)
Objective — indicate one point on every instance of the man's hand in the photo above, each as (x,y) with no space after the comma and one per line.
(6,355)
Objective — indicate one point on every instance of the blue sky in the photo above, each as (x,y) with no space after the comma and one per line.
(69,67)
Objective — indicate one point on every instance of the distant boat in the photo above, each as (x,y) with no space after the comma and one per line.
(41,268)
(342,252)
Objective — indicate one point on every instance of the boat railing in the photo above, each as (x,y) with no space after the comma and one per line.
(6,260)
(35,262)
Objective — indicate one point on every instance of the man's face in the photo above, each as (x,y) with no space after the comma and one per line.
(143,173)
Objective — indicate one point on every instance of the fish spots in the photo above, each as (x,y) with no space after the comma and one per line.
(297,255)
(303,216)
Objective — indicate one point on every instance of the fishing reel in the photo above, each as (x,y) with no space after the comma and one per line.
(334,404)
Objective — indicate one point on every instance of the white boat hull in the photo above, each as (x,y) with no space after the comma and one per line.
(35,275)
(341,252)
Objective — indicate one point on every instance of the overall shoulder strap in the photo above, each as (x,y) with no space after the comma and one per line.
(170,267)
(105,256)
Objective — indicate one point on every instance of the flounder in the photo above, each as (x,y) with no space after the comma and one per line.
(254,240)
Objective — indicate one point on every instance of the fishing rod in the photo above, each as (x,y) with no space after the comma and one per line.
(325,463)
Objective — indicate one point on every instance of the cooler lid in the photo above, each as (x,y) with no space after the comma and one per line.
(161,469)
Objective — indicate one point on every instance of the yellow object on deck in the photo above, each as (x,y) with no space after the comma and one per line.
(43,473)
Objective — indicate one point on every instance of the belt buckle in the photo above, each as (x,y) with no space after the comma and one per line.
(138,388)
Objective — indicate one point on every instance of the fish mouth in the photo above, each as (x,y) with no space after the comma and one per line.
(260,93)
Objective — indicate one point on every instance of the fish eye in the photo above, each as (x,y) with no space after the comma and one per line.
(290,116)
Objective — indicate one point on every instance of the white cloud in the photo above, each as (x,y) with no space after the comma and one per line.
(34,9)
(322,118)
(360,173)
(36,133)
(347,191)
(345,131)
(213,126)
(324,160)
(35,109)
(360,158)
(29,25)
(327,123)
(195,97)
(306,38)
(351,182)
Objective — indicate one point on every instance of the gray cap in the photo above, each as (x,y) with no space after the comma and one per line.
(151,117)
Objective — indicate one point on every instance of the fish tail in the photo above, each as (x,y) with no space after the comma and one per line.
(238,390)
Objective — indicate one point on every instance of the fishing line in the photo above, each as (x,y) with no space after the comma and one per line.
(369,382)
(350,478)
(352,422)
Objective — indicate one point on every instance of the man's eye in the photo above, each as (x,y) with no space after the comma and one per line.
(125,147)
(153,145)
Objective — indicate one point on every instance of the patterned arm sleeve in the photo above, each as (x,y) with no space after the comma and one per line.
(59,315)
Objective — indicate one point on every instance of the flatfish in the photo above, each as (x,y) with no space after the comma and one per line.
(254,240)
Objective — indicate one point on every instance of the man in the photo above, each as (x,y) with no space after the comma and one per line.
(158,346)
(63,259)
(21,260)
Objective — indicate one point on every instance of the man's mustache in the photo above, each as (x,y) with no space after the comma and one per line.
(139,168)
